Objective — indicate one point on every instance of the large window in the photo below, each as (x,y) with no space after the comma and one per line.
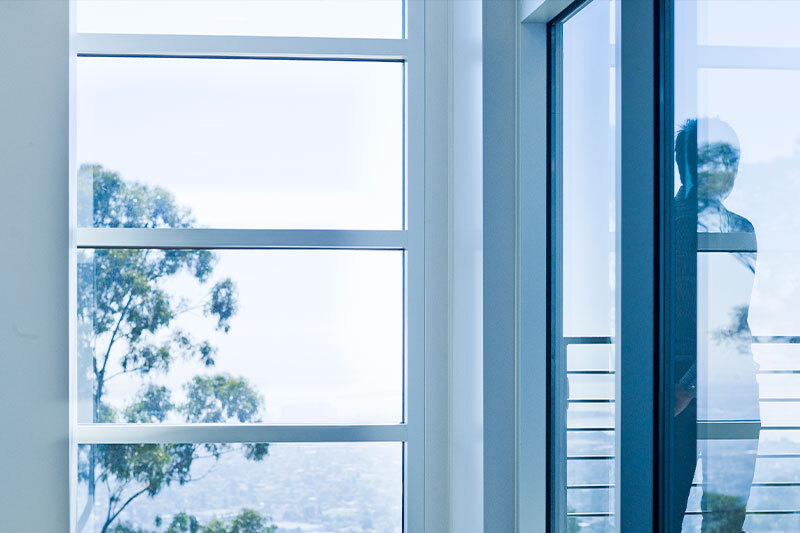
(248,337)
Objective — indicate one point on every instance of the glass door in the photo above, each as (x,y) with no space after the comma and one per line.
(734,270)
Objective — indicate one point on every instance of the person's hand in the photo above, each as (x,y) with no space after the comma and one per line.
(682,399)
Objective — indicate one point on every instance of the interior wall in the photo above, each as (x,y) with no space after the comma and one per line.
(34,410)
(499,264)
(466,309)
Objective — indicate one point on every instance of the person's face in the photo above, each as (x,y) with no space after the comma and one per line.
(717,164)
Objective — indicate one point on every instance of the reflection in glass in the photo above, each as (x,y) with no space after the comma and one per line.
(714,368)
(240,488)
(735,314)
(247,143)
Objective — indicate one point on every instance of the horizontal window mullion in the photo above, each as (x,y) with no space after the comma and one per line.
(200,433)
(241,46)
(241,238)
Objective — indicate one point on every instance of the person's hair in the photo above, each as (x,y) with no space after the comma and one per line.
(686,149)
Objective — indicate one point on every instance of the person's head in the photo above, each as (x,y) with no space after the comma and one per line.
(707,154)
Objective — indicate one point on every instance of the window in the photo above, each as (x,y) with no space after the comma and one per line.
(582,248)
(249,341)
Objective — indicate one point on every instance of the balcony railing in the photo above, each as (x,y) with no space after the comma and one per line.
(591,517)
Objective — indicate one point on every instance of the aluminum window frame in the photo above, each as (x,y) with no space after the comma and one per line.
(423,181)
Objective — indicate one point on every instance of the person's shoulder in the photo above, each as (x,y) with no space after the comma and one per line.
(739,223)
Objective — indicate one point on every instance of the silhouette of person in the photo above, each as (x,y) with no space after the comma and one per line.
(707,155)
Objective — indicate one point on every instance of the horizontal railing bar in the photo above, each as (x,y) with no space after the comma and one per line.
(763,484)
(611,372)
(726,242)
(755,511)
(591,400)
(728,429)
(591,486)
(197,238)
(779,400)
(240,46)
(200,433)
(609,457)
(760,339)
(588,340)
(713,430)
(609,514)
(776,339)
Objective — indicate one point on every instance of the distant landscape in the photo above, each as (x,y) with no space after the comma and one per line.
(319,488)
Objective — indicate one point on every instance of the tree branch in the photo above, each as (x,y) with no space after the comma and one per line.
(113,517)
(100,376)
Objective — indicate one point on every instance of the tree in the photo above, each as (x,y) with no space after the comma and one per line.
(723,513)
(129,318)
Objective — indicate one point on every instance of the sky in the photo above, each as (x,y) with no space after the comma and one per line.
(274,144)
(279,18)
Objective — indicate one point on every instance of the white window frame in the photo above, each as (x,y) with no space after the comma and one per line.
(424,241)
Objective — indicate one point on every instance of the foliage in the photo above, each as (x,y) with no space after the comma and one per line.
(247,521)
(724,513)
(130,317)
(717,164)
(738,333)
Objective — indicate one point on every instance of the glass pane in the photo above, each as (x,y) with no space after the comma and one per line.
(241,143)
(590,386)
(587,173)
(582,386)
(736,262)
(747,23)
(594,357)
(306,18)
(278,336)
(600,442)
(590,414)
(247,488)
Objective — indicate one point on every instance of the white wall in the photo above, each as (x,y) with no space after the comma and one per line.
(499,264)
(34,430)
(466,307)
